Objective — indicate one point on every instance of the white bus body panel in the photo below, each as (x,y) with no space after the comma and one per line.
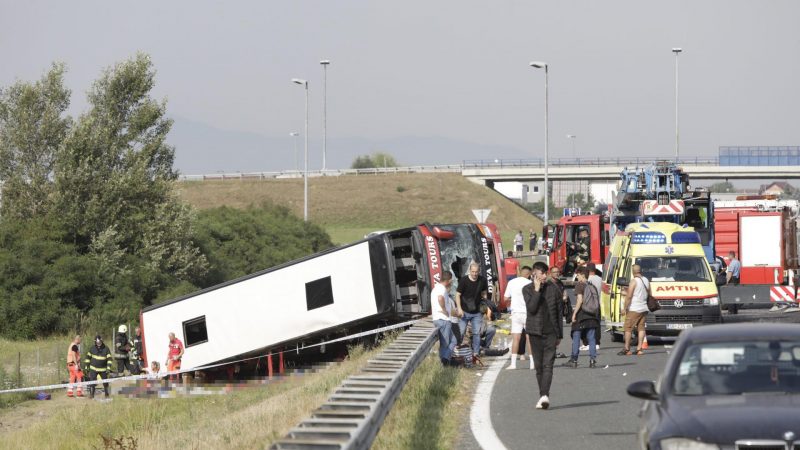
(266,309)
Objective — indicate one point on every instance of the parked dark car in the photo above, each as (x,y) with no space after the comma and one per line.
(734,386)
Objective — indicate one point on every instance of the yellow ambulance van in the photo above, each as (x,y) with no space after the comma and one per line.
(681,279)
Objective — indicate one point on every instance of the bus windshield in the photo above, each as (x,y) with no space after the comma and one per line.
(674,268)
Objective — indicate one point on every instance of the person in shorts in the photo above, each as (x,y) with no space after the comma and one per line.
(519,313)
(635,310)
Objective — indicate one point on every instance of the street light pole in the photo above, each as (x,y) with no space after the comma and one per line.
(304,83)
(294,135)
(572,137)
(677,52)
(324,63)
(545,66)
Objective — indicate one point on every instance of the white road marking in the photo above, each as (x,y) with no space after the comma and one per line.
(480,418)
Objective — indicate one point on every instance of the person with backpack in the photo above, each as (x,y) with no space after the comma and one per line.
(585,318)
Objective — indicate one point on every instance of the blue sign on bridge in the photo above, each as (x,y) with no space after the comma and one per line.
(759,156)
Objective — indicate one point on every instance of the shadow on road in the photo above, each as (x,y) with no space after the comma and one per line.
(582,404)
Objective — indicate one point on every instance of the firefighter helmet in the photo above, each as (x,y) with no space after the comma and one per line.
(123,329)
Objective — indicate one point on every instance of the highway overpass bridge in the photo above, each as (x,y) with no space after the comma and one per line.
(608,169)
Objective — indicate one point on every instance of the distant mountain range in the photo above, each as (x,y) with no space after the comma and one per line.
(204,149)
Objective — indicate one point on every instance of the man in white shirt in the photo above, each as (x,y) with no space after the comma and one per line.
(519,312)
(635,310)
(442,311)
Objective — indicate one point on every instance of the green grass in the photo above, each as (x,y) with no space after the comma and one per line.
(248,418)
(349,207)
(429,410)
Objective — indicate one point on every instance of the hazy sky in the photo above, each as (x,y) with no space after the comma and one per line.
(443,69)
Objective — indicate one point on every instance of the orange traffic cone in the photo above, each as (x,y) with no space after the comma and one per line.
(644,344)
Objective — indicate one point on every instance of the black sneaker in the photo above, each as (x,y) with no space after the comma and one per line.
(592,363)
(560,355)
(571,363)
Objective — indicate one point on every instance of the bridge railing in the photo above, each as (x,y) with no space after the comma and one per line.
(580,162)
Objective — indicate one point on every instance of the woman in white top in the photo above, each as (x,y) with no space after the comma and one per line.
(635,310)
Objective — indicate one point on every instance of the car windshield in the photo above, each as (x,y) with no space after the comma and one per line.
(735,368)
(674,268)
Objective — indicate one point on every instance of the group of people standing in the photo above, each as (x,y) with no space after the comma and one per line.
(98,362)
(470,307)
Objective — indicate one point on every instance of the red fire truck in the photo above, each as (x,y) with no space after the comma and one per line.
(762,232)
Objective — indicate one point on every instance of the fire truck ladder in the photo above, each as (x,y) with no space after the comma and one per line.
(352,416)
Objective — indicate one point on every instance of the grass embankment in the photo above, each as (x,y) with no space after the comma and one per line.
(350,206)
(429,410)
(249,418)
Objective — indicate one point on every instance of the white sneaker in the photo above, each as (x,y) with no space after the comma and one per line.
(583,348)
(511,367)
(597,347)
(532,366)
(544,402)
(522,357)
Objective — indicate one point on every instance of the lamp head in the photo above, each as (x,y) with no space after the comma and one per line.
(294,133)
(677,50)
(538,64)
(325,62)
(300,81)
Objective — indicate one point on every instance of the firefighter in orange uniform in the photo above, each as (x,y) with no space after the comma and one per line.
(74,367)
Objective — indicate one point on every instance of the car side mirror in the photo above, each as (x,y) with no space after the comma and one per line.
(622,281)
(646,390)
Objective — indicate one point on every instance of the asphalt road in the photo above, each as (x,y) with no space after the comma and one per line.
(589,407)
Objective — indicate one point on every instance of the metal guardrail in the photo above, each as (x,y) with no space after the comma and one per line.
(447,168)
(352,416)
(452,168)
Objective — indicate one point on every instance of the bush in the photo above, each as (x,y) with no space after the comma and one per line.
(401,189)
(239,242)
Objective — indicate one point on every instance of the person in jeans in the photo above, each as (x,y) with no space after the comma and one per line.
(472,289)
(635,309)
(583,322)
(518,240)
(734,267)
(593,278)
(543,302)
(441,310)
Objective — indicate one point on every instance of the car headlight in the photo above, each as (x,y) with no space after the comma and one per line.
(711,301)
(686,444)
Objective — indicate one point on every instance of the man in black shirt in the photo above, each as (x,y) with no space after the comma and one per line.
(543,302)
(472,288)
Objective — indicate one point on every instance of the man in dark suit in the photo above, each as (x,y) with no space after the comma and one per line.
(543,302)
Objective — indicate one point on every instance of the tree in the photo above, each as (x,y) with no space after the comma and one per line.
(723,186)
(115,182)
(376,160)
(580,201)
(32,129)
